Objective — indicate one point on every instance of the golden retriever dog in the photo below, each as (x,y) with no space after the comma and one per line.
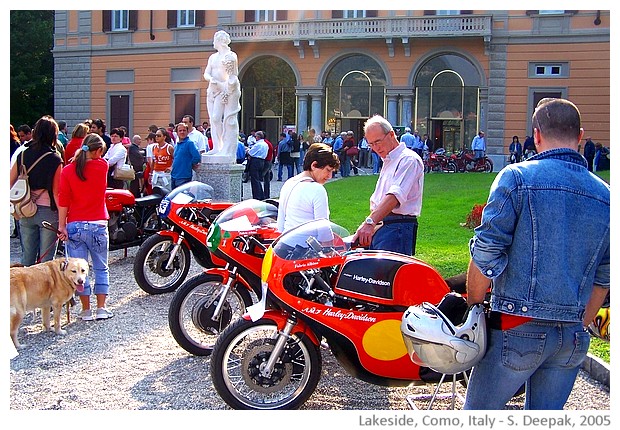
(45,285)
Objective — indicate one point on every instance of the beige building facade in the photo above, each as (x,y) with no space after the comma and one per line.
(445,73)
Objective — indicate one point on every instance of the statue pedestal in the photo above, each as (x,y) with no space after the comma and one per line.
(224,178)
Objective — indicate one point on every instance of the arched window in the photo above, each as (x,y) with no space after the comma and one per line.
(355,90)
(447,101)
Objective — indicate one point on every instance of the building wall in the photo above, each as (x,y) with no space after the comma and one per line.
(84,55)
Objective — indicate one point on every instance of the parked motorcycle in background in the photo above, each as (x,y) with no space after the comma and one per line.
(466,162)
(207,303)
(439,161)
(132,219)
(164,259)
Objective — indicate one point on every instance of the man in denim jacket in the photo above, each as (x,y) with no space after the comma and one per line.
(544,243)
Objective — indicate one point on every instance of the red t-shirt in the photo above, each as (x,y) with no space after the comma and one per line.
(85,199)
(74,144)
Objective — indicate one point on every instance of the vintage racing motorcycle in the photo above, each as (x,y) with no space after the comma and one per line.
(206,304)
(164,258)
(316,287)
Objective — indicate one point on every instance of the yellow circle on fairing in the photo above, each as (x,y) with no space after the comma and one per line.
(384,341)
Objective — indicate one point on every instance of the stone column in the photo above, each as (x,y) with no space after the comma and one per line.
(302,112)
(392,109)
(407,115)
(224,178)
(317,118)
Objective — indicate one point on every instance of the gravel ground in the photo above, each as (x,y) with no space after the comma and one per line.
(132,362)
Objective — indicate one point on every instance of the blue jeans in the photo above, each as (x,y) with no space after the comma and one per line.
(396,236)
(88,238)
(35,239)
(256,169)
(178,182)
(545,355)
(377,162)
(289,167)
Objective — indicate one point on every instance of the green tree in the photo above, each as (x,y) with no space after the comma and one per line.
(32,65)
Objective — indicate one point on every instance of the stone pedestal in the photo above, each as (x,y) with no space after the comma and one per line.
(224,178)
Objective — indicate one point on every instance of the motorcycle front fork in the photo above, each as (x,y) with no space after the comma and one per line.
(175,250)
(223,296)
(266,369)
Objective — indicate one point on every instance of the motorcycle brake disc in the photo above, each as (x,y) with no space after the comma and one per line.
(254,360)
(202,314)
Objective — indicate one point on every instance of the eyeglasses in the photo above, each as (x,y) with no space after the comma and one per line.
(159,135)
(378,141)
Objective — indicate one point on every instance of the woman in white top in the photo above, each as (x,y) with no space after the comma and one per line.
(303,197)
(115,157)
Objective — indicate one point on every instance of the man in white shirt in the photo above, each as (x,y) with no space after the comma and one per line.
(195,135)
(397,200)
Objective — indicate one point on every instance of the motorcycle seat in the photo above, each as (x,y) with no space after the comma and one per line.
(150,200)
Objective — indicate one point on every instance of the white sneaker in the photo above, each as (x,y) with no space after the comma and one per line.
(86,315)
(103,314)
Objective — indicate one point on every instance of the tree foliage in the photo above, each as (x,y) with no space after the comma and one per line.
(32,65)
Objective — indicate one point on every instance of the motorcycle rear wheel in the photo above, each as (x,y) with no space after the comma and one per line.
(488,166)
(243,349)
(149,267)
(191,309)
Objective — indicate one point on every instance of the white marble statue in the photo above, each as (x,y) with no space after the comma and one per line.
(223,96)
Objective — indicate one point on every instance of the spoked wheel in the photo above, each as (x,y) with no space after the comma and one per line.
(149,267)
(190,316)
(488,166)
(451,167)
(239,359)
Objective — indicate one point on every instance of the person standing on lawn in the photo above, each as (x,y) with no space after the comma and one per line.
(397,200)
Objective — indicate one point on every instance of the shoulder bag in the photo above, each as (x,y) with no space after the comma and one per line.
(23,203)
(124,172)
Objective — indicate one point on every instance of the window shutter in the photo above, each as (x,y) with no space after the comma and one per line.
(133,20)
(337,14)
(372,13)
(200,18)
(281,15)
(250,16)
(106,21)
(172,19)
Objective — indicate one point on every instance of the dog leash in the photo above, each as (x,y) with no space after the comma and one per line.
(46,225)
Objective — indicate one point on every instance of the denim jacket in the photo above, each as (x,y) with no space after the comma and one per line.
(544,237)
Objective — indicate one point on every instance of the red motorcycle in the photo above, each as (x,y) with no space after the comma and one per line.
(206,304)
(466,162)
(439,161)
(132,219)
(163,260)
(317,288)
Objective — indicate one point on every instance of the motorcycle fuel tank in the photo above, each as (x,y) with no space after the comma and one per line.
(115,199)
(390,279)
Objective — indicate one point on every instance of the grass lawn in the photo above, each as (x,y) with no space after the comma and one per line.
(447,200)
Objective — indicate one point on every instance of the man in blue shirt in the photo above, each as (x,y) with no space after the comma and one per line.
(186,158)
(256,165)
(543,248)
(479,145)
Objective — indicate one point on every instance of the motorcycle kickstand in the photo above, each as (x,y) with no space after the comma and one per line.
(225,290)
(283,336)
(175,250)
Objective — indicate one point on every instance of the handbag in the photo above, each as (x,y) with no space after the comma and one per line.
(124,172)
(23,203)
(352,151)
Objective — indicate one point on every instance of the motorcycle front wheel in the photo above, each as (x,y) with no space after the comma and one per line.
(240,355)
(192,308)
(488,166)
(149,266)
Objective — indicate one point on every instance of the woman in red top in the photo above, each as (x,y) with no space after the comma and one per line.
(82,219)
(77,136)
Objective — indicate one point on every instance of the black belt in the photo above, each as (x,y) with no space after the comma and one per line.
(398,218)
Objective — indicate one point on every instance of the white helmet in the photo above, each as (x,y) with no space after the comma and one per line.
(434,341)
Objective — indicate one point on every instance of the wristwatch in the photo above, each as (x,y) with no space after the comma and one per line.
(369,221)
